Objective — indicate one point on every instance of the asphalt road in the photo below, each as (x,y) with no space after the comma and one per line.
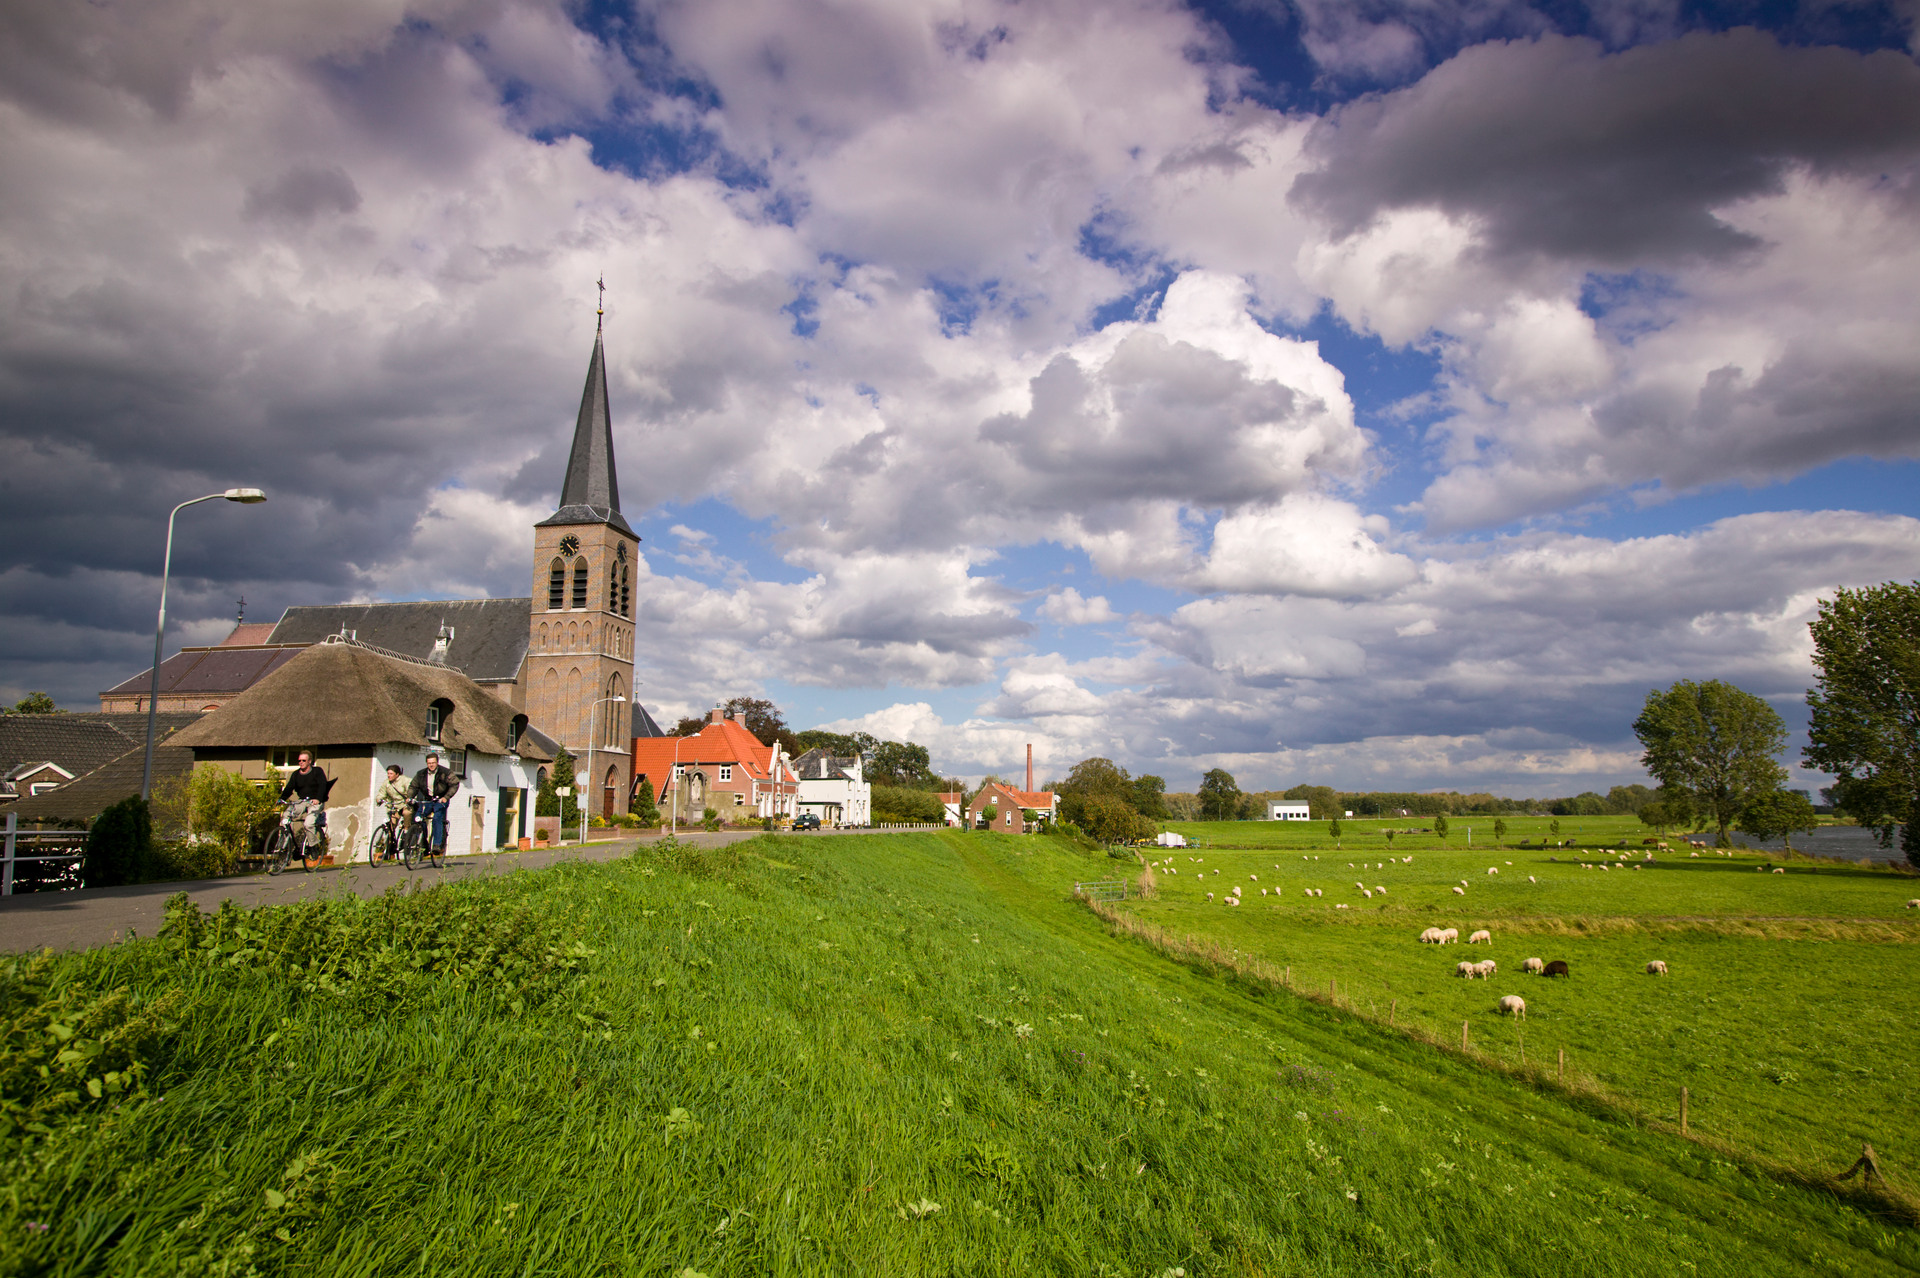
(100,916)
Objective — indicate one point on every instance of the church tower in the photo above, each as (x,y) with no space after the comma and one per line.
(580,653)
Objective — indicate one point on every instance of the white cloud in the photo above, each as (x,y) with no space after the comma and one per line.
(1067,607)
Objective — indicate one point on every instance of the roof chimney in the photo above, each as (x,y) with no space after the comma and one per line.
(716,714)
(1029,767)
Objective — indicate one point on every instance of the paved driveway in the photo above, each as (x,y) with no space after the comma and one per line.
(78,920)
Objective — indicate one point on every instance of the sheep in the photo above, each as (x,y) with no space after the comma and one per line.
(1778,870)
(1236,889)
(1263,891)
(1367,892)
(1233,900)
(1459,891)
(1914,904)
(1515,1006)
(1531,879)
(1209,896)
(1431,936)
(1557,968)
(1533,965)
(1485,968)
(1361,886)
(1481,935)
(1463,969)
(1694,855)
(1463,882)
(1449,935)
(1341,906)
(1657,968)
(1253,878)
(1382,891)
(1509,863)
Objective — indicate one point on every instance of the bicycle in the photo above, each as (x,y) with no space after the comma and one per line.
(384,845)
(416,841)
(296,835)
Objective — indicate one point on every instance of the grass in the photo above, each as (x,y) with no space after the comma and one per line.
(907,1054)
(1788,1010)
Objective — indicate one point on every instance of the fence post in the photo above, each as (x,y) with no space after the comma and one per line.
(1463,1036)
(1562,1074)
(1683,1111)
(1333,996)
(1391,1008)
(13,821)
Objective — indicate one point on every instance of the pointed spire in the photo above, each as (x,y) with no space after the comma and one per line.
(591,491)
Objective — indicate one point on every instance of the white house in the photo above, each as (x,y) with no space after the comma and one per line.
(834,789)
(1288,810)
(358,710)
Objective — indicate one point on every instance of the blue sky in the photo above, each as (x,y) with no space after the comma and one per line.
(1382,394)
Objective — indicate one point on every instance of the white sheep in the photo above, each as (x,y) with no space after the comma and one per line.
(1485,968)
(1263,891)
(1778,870)
(1431,936)
(1463,882)
(1914,904)
(1481,935)
(1382,891)
(1493,869)
(1349,865)
(1534,965)
(1509,863)
(1514,1005)
(1694,855)
(1236,889)
(1253,878)
(1366,893)
(1306,891)
(1531,879)
(1341,906)
(1657,968)
(1459,891)
(1361,886)
(1209,896)
(1463,969)
(1449,935)
(1233,900)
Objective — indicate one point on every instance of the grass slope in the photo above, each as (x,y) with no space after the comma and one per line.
(779,1059)
(1788,1012)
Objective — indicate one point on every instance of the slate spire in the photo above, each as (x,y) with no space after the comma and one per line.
(591,492)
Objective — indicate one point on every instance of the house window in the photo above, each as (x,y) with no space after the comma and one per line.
(457,763)
(556,585)
(579,583)
(739,799)
(514,729)
(437,719)
(726,772)
(285,758)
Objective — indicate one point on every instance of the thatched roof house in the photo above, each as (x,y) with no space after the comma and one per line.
(359,710)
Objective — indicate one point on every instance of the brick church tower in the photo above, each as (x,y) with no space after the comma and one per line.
(580,653)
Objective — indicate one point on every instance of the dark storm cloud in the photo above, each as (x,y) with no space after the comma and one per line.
(1554,147)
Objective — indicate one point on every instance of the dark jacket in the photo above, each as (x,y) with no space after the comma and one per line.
(311,784)
(440,785)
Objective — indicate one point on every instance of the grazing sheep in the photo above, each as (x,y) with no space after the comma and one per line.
(1253,878)
(1694,855)
(1361,886)
(1233,900)
(1306,891)
(1263,891)
(1531,879)
(1431,936)
(1209,896)
(1341,906)
(1778,870)
(1514,1005)
(1509,863)
(1493,869)
(1657,968)
(1236,889)
(1463,969)
(1481,935)
(1459,891)
(1485,968)
(1533,965)
(1449,935)
(1914,904)
(1382,891)
(1367,892)
(1557,968)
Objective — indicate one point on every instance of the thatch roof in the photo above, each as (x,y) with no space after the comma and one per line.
(336,694)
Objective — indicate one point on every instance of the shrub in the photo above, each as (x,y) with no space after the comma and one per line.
(119,846)
(229,810)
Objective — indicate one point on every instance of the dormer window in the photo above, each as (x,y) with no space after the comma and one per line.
(514,729)
(437,719)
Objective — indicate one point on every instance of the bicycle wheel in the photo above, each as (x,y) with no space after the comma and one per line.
(410,844)
(380,847)
(310,854)
(277,850)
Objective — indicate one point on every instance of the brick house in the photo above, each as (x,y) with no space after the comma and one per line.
(722,766)
(1010,805)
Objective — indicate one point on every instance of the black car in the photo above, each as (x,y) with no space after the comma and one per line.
(806,821)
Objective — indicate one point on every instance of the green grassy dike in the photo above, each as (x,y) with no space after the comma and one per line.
(777,1058)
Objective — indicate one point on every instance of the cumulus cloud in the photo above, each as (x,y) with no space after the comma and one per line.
(1067,607)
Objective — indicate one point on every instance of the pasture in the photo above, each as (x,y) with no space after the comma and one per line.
(888,1054)
(1787,1012)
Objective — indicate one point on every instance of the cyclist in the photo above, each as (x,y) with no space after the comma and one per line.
(434,785)
(393,797)
(311,785)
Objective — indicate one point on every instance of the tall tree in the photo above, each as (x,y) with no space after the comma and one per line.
(904,764)
(1219,796)
(1150,797)
(1714,742)
(1090,779)
(1865,723)
(36,703)
(1776,815)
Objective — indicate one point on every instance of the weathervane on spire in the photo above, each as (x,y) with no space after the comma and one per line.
(600,311)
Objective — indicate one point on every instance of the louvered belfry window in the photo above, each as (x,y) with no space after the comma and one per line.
(579,583)
(556,585)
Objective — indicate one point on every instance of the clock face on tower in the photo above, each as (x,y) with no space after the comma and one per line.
(569,545)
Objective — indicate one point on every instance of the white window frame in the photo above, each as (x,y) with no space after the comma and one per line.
(726,772)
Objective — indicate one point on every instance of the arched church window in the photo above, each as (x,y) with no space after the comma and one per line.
(556,585)
(580,583)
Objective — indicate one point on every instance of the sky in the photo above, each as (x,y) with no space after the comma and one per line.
(1384,394)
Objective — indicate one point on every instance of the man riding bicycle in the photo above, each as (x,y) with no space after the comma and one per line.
(310,785)
(433,785)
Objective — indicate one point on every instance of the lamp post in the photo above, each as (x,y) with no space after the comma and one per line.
(591,739)
(245,496)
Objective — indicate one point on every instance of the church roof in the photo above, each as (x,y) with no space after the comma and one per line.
(489,635)
(336,694)
(209,672)
(643,723)
(591,493)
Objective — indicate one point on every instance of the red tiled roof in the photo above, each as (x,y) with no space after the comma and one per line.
(723,742)
(1040,800)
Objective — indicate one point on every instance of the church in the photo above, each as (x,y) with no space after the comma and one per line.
(562,655)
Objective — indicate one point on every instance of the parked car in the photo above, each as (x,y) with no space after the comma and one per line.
(806,821)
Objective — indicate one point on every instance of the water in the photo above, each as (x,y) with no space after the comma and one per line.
(1851,842)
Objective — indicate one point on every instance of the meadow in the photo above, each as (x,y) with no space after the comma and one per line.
(1787,1012)
(887,1054)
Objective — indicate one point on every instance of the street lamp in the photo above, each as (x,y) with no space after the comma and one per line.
(246,497)
(591,739)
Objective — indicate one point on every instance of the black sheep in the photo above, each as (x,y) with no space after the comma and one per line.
(1556,968)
